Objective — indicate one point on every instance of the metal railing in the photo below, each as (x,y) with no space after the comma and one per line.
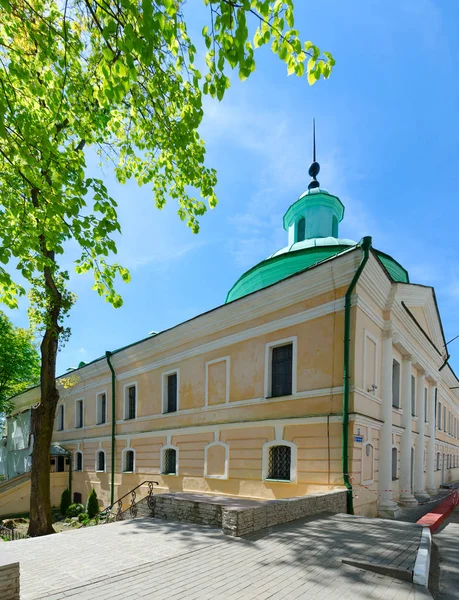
(11,534)
(115,511)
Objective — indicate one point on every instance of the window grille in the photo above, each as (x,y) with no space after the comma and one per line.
(131,403)
(101,461)
(129,461)
(171,393)
(280,461)
(79,462)
(170,462)
(281,370)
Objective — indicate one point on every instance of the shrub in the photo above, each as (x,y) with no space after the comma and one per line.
(92,506)
(65,502)
(74,510)
(82,517)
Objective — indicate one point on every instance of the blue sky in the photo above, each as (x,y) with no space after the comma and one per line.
(388,145)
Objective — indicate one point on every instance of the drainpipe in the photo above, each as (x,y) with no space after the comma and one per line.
(108,355)
(70,474)
(365,245)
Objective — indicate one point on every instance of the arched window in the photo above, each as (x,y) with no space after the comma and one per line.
(216,461)
(280,463)
(335,227)
(169,461)
(128,461)
(78,461)
(394,463)
(100,461)
(300,229)
(367,463)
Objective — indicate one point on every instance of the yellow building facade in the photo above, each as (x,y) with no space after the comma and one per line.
(325,369)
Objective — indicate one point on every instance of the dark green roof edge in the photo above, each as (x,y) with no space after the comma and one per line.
(379,254)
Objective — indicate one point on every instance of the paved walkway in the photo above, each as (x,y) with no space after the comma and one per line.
(148,558)
(446,582)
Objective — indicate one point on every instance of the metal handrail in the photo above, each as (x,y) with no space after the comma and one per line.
(132,508)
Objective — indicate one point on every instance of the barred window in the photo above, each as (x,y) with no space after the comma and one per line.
(170,462)
(129,461)
(78,461)
(280,462)
(100,462)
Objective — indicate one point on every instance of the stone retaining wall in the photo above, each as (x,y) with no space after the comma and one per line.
(241,520)
(9,581)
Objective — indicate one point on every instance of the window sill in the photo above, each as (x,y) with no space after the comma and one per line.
(128,472)
(169,474)
(97,471)
(279,480)
(280,396)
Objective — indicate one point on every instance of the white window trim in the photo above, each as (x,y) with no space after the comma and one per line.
(126,399)
(164,391)
(162,460)
(225,474)
(268,363)
(75,461)
(61,407)
(368,481)
(98,400)
(97,462)
(374,339)
(76,413)
(123,454)
(226,359)
(265,460)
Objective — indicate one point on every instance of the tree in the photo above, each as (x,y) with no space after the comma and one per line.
(118,76)
(19,361)
(92,505)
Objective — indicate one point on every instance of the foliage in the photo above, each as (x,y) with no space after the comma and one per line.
(117,78)
(74,510)
(92,506)
(65,502)
(83,517)
(19,361)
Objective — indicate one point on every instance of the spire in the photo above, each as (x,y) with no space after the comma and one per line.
(315,167)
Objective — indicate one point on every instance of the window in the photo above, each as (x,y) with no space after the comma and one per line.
(79,413)
(60,418)
(300,230)
(128,464)
(438,461)
(60,464)
(100,461)
(413,395)
(439,415)
(425,405)
(279,463)
(444,418)
(394,464)
(78,461)
(101,408)
(169,461)
(396,384)
(281,370)
(130,402)
(335,226)
(171,393)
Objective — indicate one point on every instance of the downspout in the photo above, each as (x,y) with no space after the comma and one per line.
(70,474)
(108,355)
(365,245)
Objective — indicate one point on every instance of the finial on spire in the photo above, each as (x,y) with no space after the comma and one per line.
(315,167)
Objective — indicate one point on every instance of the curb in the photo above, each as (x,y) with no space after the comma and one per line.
(434,519)
(422,564)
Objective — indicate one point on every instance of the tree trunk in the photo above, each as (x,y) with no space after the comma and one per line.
(42,421)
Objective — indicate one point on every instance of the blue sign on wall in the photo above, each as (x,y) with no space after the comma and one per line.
(358,438)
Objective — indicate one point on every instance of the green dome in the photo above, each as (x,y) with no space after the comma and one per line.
(312,226)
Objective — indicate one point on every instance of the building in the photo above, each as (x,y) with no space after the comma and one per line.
(325,369)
